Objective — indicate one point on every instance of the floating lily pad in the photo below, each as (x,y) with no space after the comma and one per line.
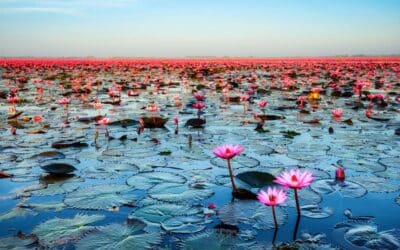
(346,188)
(158,213)
(148,180)
(376,184)
(69,144)
(99,197)
(61,231)
(184,224)
(172,192)
(58,168)
(251,213)
(361,165)
(256,179)
(316,212)
(116,236)
(154,122)
(195,123)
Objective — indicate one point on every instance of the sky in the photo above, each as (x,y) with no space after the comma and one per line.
(195,28)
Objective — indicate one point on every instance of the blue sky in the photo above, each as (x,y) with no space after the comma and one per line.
(178,28)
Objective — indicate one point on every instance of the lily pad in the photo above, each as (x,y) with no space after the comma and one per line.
(99,197)
(61,231)
(256,179)
(178,193)
(346,188)
(251,213)
(58,168)
(158,213)
(147,180)
(116,236)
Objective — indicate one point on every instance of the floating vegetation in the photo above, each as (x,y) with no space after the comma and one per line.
(122,151)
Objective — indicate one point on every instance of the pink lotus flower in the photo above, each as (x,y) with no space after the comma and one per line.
(64,101)
(97,105)
(228,152)
(199,96)
(301,100)
(271,198)
(337,113)
(262,104)
(12,99)
(339,174)
(244,98)
(152,108)
(199,105)
(104,121)
(316,90)
(176,120)
(211,206)
(37,118)
(296,180)
(14,90)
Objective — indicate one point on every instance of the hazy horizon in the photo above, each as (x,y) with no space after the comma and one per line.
(192,29)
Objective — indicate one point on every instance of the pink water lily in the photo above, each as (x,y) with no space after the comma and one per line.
(337,113)
(262,104)
(199,96)
(228,152)
(295,179)
(199,106)
(64,101)
(272,197)
(104,122)
(339,174)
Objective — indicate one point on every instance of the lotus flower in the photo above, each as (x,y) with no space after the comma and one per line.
(339,174)
(199,106)
(227,152)
(271,198)
(37,118)
(152,108)
(104,122)
(301,100)
(337,113)
(262,104)
(297,180)
(64,101)
(199,96)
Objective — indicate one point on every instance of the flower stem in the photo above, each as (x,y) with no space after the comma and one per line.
(273,213)
(296,196)
(231,176)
